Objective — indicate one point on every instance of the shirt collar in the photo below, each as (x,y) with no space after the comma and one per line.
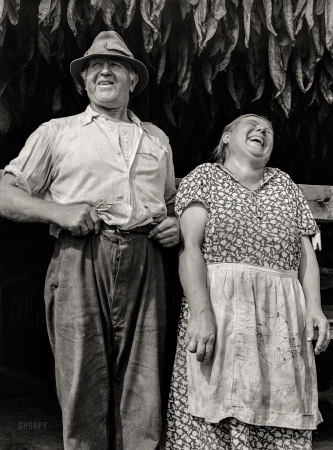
(269,172)
(90,115)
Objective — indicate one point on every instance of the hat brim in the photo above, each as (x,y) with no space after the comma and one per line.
(77,67)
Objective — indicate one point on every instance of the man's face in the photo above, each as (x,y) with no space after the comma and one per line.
(109,82)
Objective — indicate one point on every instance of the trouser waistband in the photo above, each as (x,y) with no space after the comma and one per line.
(144,229)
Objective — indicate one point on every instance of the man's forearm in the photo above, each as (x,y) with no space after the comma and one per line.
(18,205)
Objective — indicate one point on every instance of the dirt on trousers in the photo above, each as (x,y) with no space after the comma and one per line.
(31,420)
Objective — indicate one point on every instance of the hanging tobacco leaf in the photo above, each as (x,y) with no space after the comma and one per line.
(207,75)
(277,72)
(247,6)
(56,16)
(184,8)
(268,13)
(3,9)
(108,9)
(56,104)
(255,21)
(231,87)
(129,12)
(288,18)
(320,7)
(211,27)
(3,29)
(182,58)
(166,23)
(260,90)
(329,25)
(325,86)
(315,32)
(218,9)
(44,10)
(13,9)
(167,104)
(71,18)
(200,13)
(300,6)
(231,26)
(44,45)
(309,13)
(284,98)
(161,64)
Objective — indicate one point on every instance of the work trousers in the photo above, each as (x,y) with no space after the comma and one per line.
(105,308)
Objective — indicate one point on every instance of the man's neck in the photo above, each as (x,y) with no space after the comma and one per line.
(113,113)
(248,175)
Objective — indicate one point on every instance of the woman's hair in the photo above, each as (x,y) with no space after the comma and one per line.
(219,152)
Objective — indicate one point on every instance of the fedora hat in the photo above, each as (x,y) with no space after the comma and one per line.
(109,43)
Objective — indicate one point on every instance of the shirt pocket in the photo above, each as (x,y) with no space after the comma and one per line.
(151,158)
(152,149)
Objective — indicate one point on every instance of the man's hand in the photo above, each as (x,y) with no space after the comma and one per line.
(166,232)
(317,319)
(79,218)
(200,336)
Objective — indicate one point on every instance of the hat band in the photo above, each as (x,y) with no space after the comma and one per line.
(110,51)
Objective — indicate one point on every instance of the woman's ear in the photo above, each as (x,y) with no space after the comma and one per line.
(225,138)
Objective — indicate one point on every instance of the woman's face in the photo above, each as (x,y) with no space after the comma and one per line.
(252,139)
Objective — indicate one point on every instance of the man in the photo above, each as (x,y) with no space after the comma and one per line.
(107,186)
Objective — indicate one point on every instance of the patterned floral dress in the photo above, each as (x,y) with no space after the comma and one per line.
(260,390)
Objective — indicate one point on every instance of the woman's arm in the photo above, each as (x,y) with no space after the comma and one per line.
(201,328)
(310,280)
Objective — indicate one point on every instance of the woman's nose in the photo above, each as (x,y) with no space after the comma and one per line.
(261,128)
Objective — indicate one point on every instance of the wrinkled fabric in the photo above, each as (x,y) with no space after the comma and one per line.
(263,370)
(261,227)
(78,159)
(187,432)
(105,309)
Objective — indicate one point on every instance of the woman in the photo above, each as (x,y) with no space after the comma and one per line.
(251,283)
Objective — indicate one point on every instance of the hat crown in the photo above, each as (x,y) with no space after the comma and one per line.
(108,43)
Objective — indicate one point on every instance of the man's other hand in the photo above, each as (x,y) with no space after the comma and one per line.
(166,232)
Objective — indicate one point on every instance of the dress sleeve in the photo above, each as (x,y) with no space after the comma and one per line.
(32,167)
(195,187)
(306,223)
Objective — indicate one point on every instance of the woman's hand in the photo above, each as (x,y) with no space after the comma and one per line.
(316,319)
(200,335)
(310,280)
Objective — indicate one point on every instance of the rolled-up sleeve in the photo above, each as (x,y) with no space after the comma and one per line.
(33,166)
(170,184)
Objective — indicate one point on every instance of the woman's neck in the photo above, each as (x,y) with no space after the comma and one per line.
(248,175)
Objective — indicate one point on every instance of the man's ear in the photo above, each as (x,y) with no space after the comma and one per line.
(134,80)
(225,138)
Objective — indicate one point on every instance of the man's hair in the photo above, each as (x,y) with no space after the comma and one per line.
(219,152)
(126,64)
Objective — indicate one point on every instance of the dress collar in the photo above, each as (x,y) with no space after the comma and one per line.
(269,172)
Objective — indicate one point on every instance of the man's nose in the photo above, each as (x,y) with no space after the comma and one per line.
(106,68)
